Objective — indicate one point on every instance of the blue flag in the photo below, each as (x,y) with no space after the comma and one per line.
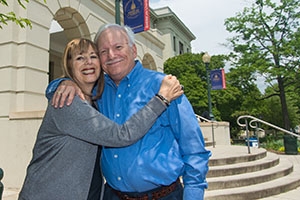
(217,78)
(137,15)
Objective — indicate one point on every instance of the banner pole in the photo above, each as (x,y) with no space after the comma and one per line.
(117,12)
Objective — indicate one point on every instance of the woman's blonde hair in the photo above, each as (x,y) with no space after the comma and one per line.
(73,48)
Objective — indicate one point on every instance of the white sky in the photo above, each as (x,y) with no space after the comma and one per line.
(205,19)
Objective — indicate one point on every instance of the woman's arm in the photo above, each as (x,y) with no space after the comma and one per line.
(83,122)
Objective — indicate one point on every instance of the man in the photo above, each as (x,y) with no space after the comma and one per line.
(173,148)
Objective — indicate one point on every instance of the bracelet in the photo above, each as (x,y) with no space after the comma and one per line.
(163,99)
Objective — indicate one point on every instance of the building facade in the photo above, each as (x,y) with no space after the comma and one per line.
(31,57)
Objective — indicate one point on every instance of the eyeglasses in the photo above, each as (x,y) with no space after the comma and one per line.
(115,48)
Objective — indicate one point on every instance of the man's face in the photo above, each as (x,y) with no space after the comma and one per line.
(117,57)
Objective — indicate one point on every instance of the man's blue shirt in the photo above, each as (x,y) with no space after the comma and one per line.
(173,147)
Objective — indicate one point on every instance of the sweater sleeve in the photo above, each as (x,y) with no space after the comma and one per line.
(83,122)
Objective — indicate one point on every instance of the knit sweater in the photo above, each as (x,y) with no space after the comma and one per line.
(67,144)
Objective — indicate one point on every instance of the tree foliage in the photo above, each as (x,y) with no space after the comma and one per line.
(11,16)
(267,43)
(191,72)
(227,104)
(241,96)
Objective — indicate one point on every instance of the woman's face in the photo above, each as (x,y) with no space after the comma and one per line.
(86,69)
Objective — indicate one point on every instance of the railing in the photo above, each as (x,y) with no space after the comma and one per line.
(255,120)
(212,127)
(1,185)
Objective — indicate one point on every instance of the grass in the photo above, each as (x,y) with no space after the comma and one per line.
(270,143)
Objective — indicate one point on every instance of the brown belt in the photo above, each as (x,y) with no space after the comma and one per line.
(156,194)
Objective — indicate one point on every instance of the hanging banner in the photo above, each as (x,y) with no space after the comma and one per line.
(217,78)
(137,15)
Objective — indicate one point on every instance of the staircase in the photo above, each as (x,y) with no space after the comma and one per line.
(236,174)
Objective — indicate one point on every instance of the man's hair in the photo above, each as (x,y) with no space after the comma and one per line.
(125,29)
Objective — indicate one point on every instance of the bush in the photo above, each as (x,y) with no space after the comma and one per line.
(275,143)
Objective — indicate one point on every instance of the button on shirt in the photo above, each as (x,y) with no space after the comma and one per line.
(173,147)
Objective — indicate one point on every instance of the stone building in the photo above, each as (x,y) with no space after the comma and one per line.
(30,58)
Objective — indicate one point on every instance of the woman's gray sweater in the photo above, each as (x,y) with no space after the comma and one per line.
(66,148)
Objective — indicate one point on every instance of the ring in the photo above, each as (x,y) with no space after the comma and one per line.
(182,87)
(59,92)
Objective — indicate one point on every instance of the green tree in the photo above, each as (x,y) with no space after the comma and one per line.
(11,16)
(267,43)
(227,104)
(239,98)
(273,112)
(191,71)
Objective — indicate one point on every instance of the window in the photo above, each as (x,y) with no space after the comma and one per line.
(174,43)
(181,48)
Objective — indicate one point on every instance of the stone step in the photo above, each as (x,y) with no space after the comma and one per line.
(283,168)
(257,191)
(244,167)
(241,155)
(208,143)
(235,173)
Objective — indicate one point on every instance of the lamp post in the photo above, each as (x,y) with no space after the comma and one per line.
(117,10)
(1,184)
(206,59)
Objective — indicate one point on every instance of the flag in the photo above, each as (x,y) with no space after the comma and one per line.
(137,15)
(217,78)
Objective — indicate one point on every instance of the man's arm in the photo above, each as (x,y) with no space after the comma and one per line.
(62,91)
(192,147)
(53,85)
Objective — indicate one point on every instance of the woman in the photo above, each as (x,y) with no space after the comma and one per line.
(64,164)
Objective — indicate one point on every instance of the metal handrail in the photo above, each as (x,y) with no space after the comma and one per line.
(254,119)
(212,127)
(203,118)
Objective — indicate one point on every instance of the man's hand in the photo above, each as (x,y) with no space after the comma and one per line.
(65,94)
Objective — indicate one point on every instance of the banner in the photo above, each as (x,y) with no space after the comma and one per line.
(137,15)
(217,78)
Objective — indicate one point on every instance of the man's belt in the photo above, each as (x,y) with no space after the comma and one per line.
(154,194)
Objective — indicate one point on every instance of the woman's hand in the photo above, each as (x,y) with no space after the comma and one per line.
(170,88)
